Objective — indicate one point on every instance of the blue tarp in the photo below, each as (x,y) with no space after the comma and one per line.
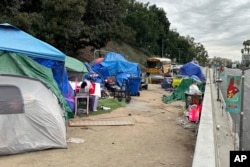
(115,64)
(192,69)
(93,75)
(15,40)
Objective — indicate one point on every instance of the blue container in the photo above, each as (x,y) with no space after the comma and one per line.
(134,86)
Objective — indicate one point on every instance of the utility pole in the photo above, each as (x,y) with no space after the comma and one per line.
(179,59)
(214,71)
(218,80)
(243,69)
(162,47)
(242,109)
(179,55)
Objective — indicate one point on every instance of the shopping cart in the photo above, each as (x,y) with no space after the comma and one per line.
(123,92)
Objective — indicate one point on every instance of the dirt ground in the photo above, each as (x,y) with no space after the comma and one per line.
(155,140)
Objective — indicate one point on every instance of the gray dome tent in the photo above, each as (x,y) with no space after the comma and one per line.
(30,117)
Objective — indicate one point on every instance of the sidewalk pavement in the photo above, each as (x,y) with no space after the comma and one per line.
(225,138)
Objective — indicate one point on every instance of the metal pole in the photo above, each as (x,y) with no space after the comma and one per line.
(218,95)
(242,110)
(218,83)
(94,53)
(235,133)
(214,69)
(99,51)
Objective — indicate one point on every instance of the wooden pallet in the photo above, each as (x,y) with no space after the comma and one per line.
(79,123)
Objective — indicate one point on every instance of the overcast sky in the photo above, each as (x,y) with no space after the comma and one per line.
(220,25)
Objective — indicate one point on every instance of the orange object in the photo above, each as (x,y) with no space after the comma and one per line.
(99,60)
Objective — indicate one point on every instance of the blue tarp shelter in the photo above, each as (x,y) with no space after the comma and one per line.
(115,64)
(15,40)
(192,70)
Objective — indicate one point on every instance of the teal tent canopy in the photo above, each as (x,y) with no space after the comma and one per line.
(73,64)
(75,69)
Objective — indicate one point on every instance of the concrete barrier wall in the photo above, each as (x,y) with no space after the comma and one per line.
(205,155)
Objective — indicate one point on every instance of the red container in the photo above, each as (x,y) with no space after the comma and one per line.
(194,113)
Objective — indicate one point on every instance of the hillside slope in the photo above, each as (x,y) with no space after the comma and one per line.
(131,54)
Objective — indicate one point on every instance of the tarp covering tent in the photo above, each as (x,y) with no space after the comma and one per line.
(75,68)
(179,92)
(17,41)
(16,64)
(191,72)
(30,117)
(93,74)
(192,69)
(115,64)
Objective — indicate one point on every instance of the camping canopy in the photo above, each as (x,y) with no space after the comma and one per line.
(75,68)
(15,40)
(73,64)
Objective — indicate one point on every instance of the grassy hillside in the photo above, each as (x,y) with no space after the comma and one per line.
(131,54)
